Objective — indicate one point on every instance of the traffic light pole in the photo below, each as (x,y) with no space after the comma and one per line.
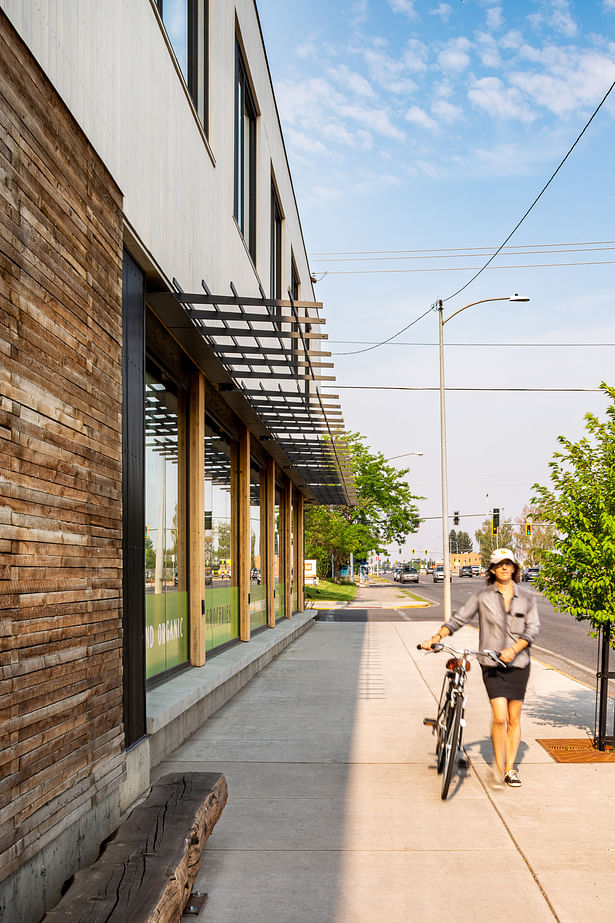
(446,601)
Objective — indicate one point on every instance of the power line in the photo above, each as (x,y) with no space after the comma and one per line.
(539,196)
(363,272)
(576,243)
(384,342)
(437,255)
(424,388)
(481,345)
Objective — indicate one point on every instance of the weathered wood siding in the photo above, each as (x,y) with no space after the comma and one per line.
(61,747)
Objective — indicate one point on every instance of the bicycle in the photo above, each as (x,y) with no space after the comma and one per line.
(450,722)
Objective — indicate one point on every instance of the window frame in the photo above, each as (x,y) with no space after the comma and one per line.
(244,187)
(196,77)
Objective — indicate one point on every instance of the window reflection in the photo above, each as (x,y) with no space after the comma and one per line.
(258,588)
(166,596)
(278,554)
(221,594)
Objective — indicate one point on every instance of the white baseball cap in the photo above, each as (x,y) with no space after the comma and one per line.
(502,554)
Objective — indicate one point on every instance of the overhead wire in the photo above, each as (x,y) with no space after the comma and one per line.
(502,245)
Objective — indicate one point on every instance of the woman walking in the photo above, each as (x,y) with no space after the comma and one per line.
(508,622)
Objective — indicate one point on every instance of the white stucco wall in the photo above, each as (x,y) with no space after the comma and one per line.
(112,65)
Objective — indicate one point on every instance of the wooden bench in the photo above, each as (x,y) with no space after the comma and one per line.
(146,871)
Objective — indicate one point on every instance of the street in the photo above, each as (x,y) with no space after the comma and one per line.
(563,642)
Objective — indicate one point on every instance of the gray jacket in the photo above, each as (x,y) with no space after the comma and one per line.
(497,628)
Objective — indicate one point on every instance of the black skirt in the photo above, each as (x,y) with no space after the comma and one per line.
(506,683)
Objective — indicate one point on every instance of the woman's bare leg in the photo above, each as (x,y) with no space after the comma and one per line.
(513,735)
(499,736)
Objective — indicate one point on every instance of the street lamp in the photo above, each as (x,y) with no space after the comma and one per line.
(403,455)
(445,549)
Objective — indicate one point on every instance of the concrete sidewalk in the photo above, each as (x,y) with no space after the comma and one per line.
(334,810)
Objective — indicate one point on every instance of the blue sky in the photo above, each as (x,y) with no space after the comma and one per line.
(418,134)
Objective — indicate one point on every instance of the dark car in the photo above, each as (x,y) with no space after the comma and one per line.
(529,573)
(466,571)
(409,575)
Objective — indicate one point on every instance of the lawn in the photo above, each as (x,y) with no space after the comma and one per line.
(343,592)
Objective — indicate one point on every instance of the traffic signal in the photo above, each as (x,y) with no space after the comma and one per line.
(528,528)
(495,522)
(456,517)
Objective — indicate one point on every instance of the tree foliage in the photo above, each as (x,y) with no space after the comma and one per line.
(529,549)
(488,542)
(459,542)
(385,512)
(578,575)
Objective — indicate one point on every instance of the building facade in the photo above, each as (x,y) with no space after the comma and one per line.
(161,419)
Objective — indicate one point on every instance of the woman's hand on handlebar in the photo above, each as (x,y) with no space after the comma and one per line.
(426,644)
(508,654)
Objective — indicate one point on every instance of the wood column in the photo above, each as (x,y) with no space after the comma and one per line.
(269,568)
(243,552)
(288,505)
(196,517)
(299,522)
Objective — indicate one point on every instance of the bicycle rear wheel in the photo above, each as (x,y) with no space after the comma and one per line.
(451,745)
(444,711)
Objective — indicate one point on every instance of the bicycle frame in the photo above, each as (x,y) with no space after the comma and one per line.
(450,721)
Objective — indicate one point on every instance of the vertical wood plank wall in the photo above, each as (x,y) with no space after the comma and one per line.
(61,749)
(196,521)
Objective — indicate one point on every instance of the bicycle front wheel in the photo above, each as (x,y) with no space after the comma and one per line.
(451,745)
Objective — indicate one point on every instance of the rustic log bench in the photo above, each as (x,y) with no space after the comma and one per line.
(146,871)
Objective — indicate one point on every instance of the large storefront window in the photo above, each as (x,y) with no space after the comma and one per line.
(221,591)
(166,593)
(278,554)
(258,587)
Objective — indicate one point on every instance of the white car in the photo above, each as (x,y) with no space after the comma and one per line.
(409,575)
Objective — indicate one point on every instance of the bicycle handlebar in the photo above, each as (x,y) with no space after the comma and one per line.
(436,648)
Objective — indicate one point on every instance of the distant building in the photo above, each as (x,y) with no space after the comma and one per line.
(160,420)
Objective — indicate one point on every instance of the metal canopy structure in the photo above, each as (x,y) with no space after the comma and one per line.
(268,354)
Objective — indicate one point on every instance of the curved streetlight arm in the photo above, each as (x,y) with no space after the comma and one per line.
(483,301)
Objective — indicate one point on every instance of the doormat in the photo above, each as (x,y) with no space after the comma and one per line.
(565,750)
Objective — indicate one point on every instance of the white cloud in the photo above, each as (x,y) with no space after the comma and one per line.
(446,112)
(416,54)
(388,72)
(376,120)
(488,50)
(490,94)
(556,15)
(494,18)
(404,6)
(608,4)
(571,79)
(419,117)
(454,56)
(444,11)
(306,50)
(353,81)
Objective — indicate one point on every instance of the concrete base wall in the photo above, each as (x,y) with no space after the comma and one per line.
(37,885)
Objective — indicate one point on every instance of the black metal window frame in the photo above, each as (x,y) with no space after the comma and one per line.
(275,274)
(244,200)
(197,55)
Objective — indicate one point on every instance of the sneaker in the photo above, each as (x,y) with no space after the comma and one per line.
(512,778)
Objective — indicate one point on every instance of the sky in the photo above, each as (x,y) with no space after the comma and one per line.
(418,135)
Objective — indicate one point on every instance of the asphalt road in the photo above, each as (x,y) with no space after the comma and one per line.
(563,642)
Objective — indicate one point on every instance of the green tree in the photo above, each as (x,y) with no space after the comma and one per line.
(385,512)
(488,542)
(529,548)
(465,543)
(578,575)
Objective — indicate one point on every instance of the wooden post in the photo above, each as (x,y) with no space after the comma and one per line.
(299,523)
(269,564)
(196,520)
(287,519)
(243,552)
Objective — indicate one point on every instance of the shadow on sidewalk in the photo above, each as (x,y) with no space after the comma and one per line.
(572,709)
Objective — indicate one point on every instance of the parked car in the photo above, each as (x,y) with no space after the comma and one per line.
(476,570)
(529,573)
(466,571)
(255,575)
(409,575)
